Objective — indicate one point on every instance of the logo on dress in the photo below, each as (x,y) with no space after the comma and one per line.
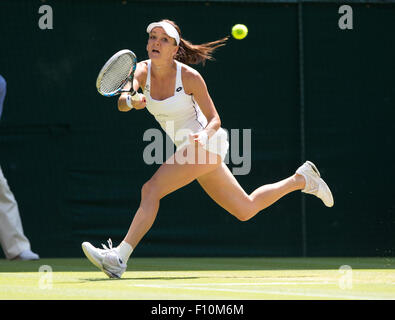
(179,89)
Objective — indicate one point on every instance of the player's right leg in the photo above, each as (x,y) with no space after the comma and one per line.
(170,176)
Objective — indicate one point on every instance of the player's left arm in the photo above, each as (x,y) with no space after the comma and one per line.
(194,84)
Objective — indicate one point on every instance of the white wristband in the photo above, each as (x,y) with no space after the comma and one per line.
(129,99)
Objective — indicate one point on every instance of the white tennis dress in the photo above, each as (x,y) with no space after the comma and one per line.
(180,115)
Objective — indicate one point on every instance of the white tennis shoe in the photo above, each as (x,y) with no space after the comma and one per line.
(314,183)
(27,255)
(107,259)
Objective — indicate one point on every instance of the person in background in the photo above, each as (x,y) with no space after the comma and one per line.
(12,239)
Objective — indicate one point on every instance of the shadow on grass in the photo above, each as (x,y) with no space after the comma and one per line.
(86,280)
(203,264)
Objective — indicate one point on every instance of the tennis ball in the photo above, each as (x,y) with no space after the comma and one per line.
(239,31)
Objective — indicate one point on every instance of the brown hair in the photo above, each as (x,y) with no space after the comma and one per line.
(189,53)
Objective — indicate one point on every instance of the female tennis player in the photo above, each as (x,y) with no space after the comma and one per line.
(176,94)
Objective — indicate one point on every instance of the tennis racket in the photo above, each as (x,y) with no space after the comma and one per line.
(116,73)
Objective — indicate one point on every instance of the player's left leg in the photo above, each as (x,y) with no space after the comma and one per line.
(223,188)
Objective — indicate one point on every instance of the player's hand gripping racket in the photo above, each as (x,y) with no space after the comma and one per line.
(116,74)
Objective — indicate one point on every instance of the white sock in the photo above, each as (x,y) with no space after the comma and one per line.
(124,251)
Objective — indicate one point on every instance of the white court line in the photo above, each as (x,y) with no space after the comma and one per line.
(256,284)
(292,293)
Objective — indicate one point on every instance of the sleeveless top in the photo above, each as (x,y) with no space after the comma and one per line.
(177,115)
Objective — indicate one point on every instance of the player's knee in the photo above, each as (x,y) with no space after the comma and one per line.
(243,217)
(149,189)
(146,189)
(243,214)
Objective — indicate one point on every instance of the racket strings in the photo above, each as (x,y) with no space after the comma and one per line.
(116,73)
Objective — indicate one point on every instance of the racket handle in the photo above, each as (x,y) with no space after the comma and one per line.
(136,96)
(133,97)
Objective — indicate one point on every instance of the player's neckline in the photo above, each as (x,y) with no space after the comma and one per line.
(162,99)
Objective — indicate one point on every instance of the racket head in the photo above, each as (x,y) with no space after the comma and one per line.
(116,73)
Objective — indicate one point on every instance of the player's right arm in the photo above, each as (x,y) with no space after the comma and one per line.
(140,75)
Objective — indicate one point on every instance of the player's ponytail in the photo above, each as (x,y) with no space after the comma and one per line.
(189,53)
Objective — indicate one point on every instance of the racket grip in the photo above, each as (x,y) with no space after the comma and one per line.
(136,96)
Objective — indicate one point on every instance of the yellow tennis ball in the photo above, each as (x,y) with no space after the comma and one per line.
(239,31)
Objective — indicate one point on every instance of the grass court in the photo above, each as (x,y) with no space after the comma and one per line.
(202,279)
